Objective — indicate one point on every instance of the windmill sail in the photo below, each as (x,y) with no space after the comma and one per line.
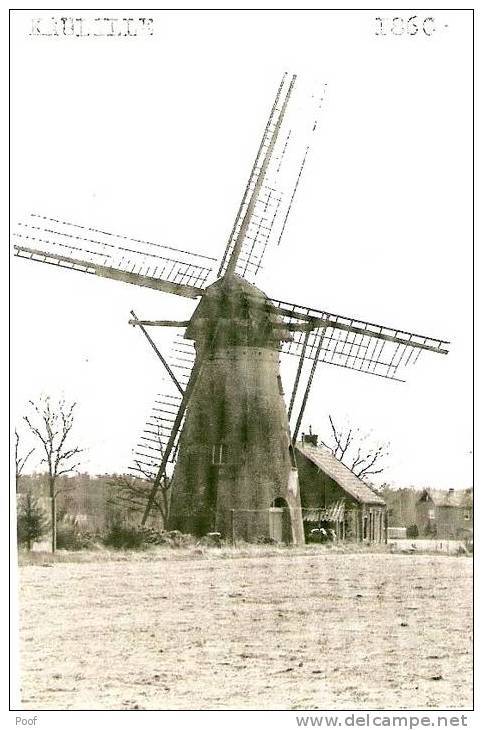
(274,179)
(148,453)
(158,445)
(182,357)
(112,255)
(351,343)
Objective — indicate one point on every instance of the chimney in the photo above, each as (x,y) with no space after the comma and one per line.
(311,439)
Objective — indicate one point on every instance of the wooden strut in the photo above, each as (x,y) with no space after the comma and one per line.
(171,440)
(159,322)
(176,425)
(309,385)
(299,372)
(173,377)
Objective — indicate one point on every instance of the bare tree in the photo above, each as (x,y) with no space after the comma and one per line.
(132,491)
(51,423)
(20,461)
(351,448)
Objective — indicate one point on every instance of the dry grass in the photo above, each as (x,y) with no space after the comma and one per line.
(273,628)
(165,552)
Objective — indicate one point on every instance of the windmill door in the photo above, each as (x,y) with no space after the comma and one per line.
(275,520)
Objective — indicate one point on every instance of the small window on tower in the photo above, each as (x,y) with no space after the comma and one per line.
(280,386)
(219,454)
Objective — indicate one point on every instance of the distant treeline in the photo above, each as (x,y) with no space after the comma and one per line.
(401,505)
(95,498)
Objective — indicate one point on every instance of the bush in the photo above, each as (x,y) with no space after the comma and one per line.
(212,539)
(412,532)
(177,539)
(70,537)
(172,538)
(121,536)
(32,522)
(124,536)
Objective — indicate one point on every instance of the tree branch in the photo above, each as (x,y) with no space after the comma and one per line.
(361,464)
(56,423)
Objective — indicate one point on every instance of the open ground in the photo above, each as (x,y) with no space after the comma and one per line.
(261,629)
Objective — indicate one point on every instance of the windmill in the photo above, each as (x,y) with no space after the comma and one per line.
(227,426)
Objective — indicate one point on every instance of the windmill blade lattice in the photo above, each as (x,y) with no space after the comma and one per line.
(275,176)
(354,344)
(152,443)
(93,251)
(182,357)
(159,426)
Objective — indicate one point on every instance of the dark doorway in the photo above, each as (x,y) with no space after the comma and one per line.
(280,525)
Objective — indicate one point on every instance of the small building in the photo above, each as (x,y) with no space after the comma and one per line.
(334,498)
(445,514)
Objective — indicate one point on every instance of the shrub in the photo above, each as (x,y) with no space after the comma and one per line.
(121,536)
(32,522)
(70,537)
(412,531)
(177,539)
(212,539)
(124,536)
(172,538)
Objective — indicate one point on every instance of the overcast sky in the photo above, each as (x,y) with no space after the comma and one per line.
(154,138)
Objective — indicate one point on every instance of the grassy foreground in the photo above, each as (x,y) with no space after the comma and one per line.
(156,552)
(272,628)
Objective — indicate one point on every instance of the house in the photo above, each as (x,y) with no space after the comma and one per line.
(333,496)
(445,514)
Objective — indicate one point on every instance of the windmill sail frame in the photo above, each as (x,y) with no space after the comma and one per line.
(109,255)
(274,179)
(351,343)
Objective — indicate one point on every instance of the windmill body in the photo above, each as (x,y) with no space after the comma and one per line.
(235,448)
(228,424)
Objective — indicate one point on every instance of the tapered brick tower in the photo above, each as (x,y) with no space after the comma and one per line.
(235,449)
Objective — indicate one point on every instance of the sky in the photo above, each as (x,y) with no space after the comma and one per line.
(154,138)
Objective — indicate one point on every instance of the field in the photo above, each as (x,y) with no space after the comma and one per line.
(318,629)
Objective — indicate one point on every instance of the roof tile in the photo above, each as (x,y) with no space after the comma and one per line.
(341,474)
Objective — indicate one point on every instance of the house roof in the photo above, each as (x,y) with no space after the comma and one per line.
(341,474)
(456,498)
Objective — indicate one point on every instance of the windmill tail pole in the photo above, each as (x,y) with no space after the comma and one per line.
(170,444)
(173,377)
(174,431)
(177,423)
